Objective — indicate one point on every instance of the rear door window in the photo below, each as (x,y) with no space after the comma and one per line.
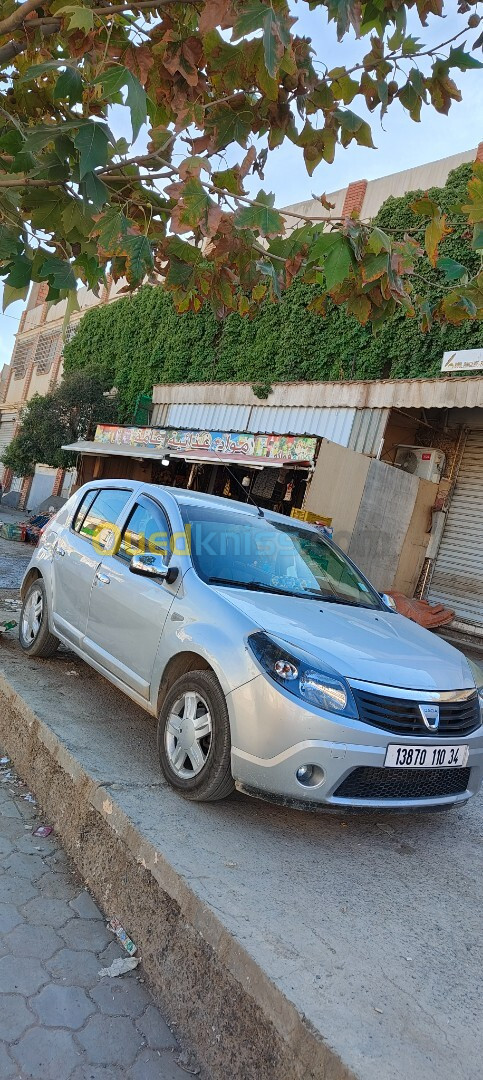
(101,515)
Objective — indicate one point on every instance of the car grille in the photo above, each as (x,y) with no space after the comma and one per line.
(402,716)
(374,783)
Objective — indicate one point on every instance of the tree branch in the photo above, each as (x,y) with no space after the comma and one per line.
(15,20)
(48,28)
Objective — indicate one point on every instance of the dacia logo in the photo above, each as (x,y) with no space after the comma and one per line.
(430,716)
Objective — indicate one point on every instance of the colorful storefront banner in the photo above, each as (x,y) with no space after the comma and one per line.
(218,444)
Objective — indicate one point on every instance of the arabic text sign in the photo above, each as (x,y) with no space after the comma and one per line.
(218,444)
(463,360)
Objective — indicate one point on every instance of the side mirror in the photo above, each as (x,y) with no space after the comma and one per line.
(388,601)
(153,566)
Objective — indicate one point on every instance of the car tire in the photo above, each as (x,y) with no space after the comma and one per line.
(34,634)
(194,721)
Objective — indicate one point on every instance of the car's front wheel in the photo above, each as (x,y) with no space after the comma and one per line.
(34,634)
(194,738)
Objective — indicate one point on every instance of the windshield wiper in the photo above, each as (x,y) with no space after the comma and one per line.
(262,586)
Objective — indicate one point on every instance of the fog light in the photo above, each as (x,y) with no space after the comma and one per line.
(304,774)
(310,775)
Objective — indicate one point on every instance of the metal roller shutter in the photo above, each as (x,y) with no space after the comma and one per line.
(458,574)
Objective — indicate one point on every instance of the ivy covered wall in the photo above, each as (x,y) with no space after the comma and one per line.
(140,340)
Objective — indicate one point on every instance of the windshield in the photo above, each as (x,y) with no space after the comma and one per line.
(270,556)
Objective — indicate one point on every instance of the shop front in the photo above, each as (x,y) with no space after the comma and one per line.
(270,470)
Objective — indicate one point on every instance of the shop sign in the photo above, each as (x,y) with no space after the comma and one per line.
(219,444)
(463,360)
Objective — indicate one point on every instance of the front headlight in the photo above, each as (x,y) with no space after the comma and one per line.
(325,689)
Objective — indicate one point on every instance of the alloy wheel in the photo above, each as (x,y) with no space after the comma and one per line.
(188,735)
(32,616)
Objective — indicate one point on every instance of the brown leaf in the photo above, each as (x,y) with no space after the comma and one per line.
(139,59)
(216,13)
(248,161)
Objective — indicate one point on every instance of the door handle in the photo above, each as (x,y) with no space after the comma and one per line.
(103,578)
(60,551)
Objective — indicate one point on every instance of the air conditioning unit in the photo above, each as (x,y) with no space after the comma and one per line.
(421,461)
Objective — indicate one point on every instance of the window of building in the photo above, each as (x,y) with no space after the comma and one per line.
(46,352)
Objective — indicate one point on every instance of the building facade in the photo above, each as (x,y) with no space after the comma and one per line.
(36,365)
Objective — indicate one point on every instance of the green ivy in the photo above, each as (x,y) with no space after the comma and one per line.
(140,340)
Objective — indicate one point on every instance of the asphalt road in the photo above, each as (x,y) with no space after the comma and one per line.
(369,923)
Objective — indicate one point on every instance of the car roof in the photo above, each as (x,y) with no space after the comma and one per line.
(185,497)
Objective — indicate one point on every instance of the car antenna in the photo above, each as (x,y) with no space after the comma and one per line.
(245,492)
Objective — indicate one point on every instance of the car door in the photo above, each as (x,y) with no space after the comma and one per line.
(127,612)
(77,554)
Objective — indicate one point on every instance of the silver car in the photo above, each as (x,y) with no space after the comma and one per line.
(269,660)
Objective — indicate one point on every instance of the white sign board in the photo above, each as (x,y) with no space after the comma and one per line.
(463,360)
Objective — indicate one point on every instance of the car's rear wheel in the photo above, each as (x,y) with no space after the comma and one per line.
(194,738)
(34,634)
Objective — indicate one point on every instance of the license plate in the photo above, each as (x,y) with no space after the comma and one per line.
(426,757)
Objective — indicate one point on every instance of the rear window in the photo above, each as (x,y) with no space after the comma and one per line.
(100,514)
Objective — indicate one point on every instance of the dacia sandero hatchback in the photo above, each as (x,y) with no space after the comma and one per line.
(270,661)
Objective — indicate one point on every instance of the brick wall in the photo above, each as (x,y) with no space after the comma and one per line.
(354,198)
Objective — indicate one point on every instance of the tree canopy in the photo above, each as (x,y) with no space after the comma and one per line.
(68,413)
(212,87)
(138,341)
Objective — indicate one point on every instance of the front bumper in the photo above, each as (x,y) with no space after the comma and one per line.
(266,757)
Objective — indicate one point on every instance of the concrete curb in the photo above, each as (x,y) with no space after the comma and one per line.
(221,1001)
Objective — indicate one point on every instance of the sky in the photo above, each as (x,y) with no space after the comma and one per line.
(400,143)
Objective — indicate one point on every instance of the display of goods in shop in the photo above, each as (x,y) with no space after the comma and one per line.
(10,531)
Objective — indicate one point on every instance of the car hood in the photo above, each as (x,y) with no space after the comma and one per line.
(359,643)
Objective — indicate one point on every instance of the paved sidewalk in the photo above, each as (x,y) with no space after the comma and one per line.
(58,1019)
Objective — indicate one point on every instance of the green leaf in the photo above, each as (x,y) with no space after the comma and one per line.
(91,142)
(71,306)
(425,207)
(378,241)
(353,127)
(139,258)
(40,69)
(268,269)
(110,226)
(95,191)
(272,45)
(59,273)
(359,305)
(81,18)
(196,203)
(230,180)
(231,125)
(452,270)
(477,241)
(10,295)
(411,46)
(113,79)
(374,266)
(68,86)
(20,273)
(262,218)
(40,137)
(136,102)
(9,243)
(338,263)
(411,101)
(458,58)
(252,18)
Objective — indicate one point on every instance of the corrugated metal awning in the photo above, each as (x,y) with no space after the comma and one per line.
(148,453)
